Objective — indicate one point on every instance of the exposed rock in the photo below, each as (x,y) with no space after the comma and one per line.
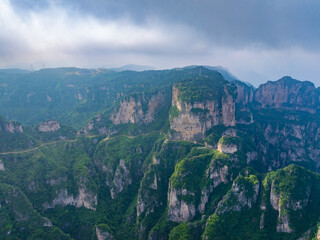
(283,224)
(47,222)
(180,210)
(251,157)
(244,93)
(1,165)
(227,148)
(239,197)
(262,221)
(274,197)
(318,234)
(192,125)
(228,109)
(84,199)
(290,142)
(13,127)
(306,235)
(49,126)
(283,217)
(217,174)
(103,234)
(289,94)
(122,178)
(131,110)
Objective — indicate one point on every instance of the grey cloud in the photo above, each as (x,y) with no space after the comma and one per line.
(272,23)
(257,40)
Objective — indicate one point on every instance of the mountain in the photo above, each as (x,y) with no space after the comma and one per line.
(172,154)
(13,71)
(223,71)
(133,67)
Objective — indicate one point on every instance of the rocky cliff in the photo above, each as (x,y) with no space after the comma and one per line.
(141,109)
(48,126)
(288,93)
(191,120)
(10,127)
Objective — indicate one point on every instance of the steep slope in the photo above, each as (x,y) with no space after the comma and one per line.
(20,221)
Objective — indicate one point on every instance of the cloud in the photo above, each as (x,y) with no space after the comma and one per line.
(257,40)
(62,34)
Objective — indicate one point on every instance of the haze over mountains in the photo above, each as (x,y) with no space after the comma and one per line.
(187,153)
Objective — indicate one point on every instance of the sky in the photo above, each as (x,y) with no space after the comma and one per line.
(257,40)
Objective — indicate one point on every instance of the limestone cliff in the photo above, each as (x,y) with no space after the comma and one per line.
(193,119)
(243,195)
(288,93)
(85,198)
(180,210)
(11,127)
(295,141)
(1,165)
(220,171)
(139,109)
(291,199)
(103,234)
(48,126)
(121,179)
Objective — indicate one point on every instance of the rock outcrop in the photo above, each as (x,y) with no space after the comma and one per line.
(180,210)
(1,165)
(132,109)
(295,141)
(243,195)
(10,127)
(216,174)
(103,234)
(48,126)
(84,198)
(194,119)
(122,178)
(288,93)
(291,199)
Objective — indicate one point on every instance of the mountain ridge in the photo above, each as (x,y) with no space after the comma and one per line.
(176,153)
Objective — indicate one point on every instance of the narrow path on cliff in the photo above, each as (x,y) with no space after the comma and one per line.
(73,140)
(36,148)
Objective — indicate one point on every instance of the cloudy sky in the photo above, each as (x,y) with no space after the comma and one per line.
(257,40)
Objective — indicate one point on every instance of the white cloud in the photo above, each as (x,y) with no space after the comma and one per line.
(56,34)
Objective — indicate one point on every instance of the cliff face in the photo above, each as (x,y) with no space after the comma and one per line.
(49,126)
(103,234)
(192,120)
(84,198)
(295,142)
(289,94)
(132,110)
(180,210)
(11,127)
(243,195)
(291,199)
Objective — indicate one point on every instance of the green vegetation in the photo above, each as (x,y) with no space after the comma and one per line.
(119,178)
(174,112)
(180,232)
(228,140)
(207,86)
